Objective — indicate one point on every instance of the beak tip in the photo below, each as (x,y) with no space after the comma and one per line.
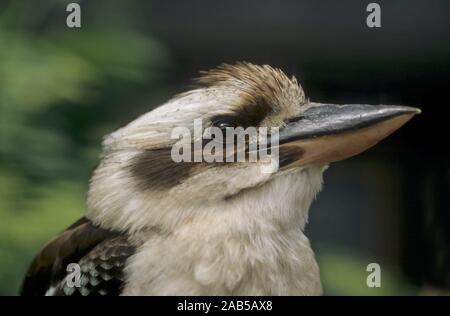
(399,110)
(412,110)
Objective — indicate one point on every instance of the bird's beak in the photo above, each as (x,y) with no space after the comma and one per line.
(327,132)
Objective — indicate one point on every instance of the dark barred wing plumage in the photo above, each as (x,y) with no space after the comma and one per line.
(100,254)
(101,270)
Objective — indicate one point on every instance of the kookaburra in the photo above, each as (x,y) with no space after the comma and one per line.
(154,226)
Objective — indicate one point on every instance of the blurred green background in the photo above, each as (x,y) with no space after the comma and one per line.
(62,90)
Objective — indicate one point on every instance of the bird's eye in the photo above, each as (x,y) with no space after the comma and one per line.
(223,123)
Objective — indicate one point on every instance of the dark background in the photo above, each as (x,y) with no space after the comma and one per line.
(62,89)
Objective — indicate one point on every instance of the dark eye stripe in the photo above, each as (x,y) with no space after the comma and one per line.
(155,169)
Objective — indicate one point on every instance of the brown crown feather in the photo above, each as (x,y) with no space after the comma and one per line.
(262,86)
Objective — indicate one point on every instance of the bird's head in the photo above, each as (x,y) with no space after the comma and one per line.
(140,184)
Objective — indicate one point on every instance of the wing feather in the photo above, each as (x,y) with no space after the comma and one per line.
(89,246)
